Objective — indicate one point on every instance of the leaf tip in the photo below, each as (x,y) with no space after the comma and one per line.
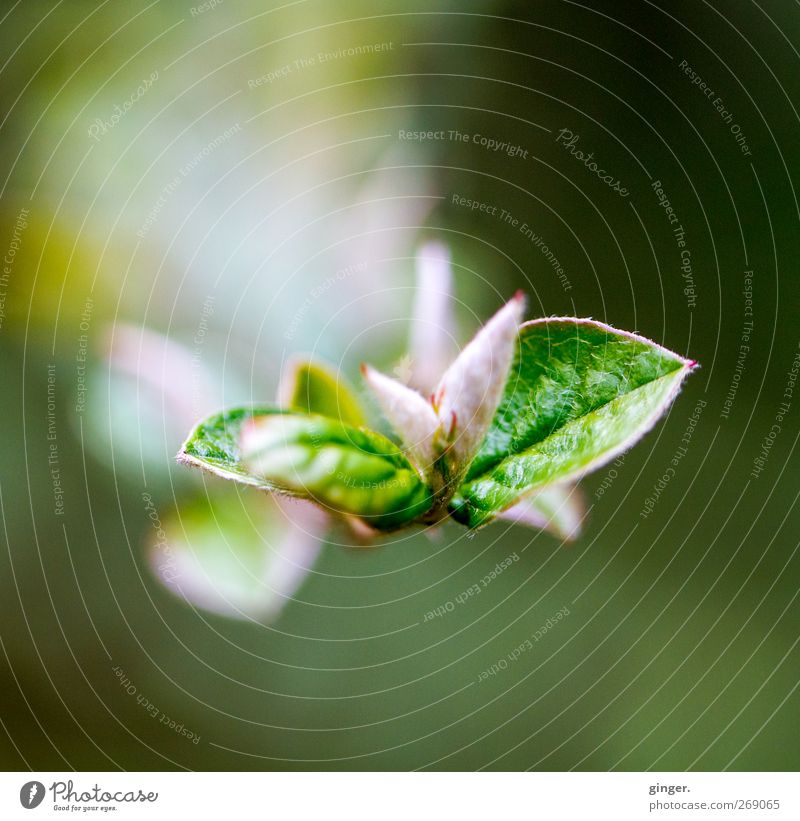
(183,457)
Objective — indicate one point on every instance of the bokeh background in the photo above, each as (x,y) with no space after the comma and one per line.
(191,194)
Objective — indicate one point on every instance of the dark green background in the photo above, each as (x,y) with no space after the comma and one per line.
(680,648)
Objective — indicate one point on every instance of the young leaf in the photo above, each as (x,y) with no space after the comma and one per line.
(213,444)
(467,395)
(350,471)
(237,554)
(557,508)
(411,416)
(308,386)
(432,321)
(579,393)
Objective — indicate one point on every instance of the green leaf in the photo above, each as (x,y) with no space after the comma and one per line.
(579,393)
(312,387)
(213,445)
(348,470)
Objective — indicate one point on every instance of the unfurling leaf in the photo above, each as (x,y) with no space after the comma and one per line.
(308,386)
(578,394)
(467,395)
(411,416)
(347,470)
(213,444)
(557,508)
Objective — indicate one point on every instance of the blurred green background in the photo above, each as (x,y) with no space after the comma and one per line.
(214,209)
